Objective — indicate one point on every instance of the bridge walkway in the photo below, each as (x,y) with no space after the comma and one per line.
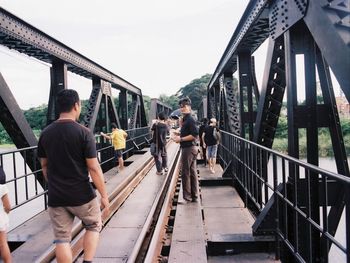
(218,228)
(119,237)
(35,236)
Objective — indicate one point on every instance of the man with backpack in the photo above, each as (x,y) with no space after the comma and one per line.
(211,139)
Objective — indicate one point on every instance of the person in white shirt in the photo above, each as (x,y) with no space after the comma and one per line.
(5,208)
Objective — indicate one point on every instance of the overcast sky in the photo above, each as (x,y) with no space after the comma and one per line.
(157,45)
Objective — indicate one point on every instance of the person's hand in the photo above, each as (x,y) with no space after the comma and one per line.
(176,139)
(102,133)
(105,207)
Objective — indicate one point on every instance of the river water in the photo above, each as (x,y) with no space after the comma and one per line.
(25,212)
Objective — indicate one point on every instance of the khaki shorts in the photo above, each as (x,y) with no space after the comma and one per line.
(62,219)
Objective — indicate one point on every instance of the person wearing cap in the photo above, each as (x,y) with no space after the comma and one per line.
(187,139)
(211,143)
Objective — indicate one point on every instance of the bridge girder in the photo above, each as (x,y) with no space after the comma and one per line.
(318,30)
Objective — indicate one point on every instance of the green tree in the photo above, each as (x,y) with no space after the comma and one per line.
(195,90)
(172,100)
(36,117)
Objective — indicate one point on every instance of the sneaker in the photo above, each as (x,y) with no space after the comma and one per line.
(159,173)
(184,201)
(166,169)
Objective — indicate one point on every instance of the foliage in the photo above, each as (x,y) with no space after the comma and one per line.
(147,105)
(171,101)
(196,90)
(36,117)
(4,137)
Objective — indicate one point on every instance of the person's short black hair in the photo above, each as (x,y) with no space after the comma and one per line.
(185,101)
(66,99)
(162,116)
(114,126)
(205,121)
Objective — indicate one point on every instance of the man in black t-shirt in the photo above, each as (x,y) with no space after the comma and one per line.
(189,151)
(67,153)
(160,129)
(201,142)
(211,143)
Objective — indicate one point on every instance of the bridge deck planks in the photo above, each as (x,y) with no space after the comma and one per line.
(188,238)
(222,204)
(122,231)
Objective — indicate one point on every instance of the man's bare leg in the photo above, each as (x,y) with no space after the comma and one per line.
(91,239)
(121,163)
(63,253)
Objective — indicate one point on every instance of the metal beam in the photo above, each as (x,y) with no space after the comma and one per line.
(94,104)
(19,35)
(58,73)
(328,22)
(251,32)
(17,127)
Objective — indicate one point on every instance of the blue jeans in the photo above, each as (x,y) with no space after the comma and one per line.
(212,150)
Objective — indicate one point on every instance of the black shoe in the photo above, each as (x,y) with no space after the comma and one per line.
(194,200)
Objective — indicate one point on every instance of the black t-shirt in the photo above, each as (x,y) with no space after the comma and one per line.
(66,144)
(188,127)
(201,130)
(208,136)
(159,134)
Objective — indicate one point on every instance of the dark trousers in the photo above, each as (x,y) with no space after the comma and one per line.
(161,159)
(189,172)
(204,151)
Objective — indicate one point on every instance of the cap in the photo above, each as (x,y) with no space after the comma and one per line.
(185,101)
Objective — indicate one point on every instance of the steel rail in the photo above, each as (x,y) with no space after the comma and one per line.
(156,243)
(159,213)
(116,198)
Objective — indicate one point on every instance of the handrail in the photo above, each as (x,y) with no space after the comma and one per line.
(314,168)
(16,164)
(287,192)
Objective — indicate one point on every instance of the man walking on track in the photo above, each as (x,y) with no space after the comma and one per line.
(67,153)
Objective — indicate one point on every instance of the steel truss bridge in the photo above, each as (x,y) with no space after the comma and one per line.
(297,202)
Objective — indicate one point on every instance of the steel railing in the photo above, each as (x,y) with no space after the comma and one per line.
(263,174)
(22,181)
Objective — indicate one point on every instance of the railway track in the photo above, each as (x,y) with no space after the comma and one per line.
(150,239)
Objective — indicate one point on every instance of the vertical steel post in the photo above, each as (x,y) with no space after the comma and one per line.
(58,73)
(123,109)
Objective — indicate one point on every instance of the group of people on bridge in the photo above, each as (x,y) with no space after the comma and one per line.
(68,157)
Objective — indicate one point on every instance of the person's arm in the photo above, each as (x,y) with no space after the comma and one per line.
(6,203)
(204,145)
(125,134)
(98,180)
(106,136)
(43,162)
(184,139)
